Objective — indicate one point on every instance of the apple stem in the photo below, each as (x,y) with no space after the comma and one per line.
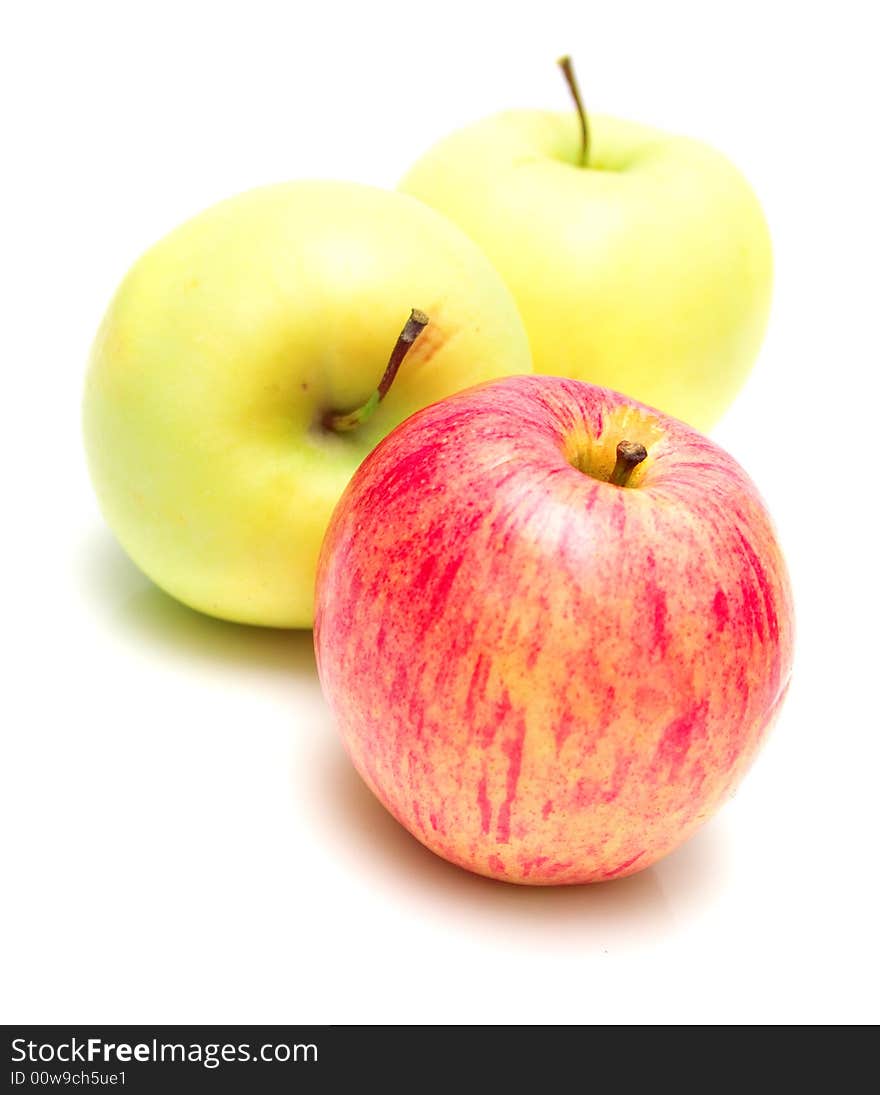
(629,455)
(349,420)
(567,67)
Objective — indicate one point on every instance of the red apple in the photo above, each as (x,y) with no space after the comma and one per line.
(551,663)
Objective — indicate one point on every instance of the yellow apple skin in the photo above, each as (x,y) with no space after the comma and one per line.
(223,347)
(649,272)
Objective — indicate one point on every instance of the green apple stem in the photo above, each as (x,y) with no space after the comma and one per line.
(349,420)
(568,72)
(629,455)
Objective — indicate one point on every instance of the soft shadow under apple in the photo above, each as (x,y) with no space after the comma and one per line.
(146,614)
(643,906)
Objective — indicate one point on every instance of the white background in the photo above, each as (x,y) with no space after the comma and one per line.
(185,840)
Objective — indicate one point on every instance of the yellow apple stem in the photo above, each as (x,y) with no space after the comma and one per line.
(629,455)
(568,72)
(349,420)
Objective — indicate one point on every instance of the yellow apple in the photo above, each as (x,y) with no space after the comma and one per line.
(646,268)
(225,354)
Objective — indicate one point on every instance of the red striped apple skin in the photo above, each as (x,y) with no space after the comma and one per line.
(547,678)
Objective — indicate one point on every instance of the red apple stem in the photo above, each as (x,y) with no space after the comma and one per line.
(565,63)
(342,422)
(629,455)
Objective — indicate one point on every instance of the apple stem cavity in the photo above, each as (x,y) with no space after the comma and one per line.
(349,420)
(567,67)
(629,455)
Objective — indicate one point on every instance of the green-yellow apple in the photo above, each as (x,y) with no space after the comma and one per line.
(554,626)
(639,260)
(227,350)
